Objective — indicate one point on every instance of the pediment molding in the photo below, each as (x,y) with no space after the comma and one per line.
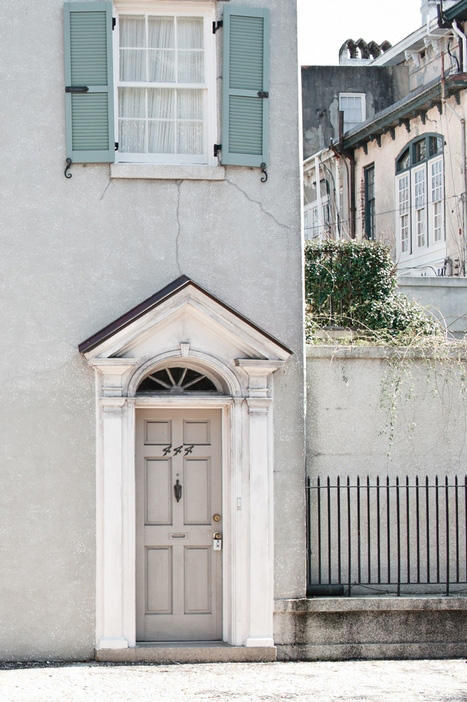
(183,305)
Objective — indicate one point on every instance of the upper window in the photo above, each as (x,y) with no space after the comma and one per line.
(353,105)
(165,86)
(141,83)
(420,195)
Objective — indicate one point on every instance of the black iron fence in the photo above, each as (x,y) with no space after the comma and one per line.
(387,536)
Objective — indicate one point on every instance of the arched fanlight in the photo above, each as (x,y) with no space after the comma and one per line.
(177,381)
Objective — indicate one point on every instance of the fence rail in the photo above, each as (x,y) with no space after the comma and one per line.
(387,535)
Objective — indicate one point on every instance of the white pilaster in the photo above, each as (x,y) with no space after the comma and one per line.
(111,576)
(260,486)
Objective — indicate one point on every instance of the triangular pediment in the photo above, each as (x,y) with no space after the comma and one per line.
(183,313)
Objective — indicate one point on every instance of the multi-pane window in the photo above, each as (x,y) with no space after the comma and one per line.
(353,106)
(420,194)
(436,199)
(162,88)
(404,212)
(370,202)
(419,189)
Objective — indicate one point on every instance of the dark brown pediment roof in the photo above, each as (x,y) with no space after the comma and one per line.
(155,300)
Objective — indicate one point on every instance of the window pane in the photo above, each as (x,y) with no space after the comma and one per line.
(190,33)
(132,102)
(438,221)
(436,181)
(161,104)
(190,138)
(161,138)
(132,31)
(162,66)
(191,67)
(132,136)
(190,104)
(419,188)
(404,161)
(419,149)
(133,64)
(404,233)
(161,32)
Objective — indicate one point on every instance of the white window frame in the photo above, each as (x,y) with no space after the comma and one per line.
(403,214)
(436,201)
(351,124)
(419,207)
(206,10)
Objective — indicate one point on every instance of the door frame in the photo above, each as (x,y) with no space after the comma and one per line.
(224,405)
(247,493)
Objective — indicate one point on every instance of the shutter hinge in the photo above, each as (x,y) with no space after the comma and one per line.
(114,22)
(116,146)
(263,93)
(217,25)
(76,89)
(217,148)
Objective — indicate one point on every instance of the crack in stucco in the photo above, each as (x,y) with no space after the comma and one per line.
(256,202)
(177,238)
(105,190)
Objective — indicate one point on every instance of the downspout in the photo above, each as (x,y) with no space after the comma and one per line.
(463,39)
(464,173)
(339,151)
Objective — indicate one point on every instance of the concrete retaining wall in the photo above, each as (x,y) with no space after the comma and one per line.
(444,297)
(371,628)
(372,413)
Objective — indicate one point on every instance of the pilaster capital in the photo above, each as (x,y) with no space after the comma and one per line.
(114,372)
(113,405)
(258,370)
(259,405)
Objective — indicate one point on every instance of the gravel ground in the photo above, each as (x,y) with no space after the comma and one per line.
(367,681)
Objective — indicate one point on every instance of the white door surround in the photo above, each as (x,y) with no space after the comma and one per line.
(184,325)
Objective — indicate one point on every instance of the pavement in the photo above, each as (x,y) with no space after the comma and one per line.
(362,681)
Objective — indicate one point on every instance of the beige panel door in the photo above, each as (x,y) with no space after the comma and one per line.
(178,572)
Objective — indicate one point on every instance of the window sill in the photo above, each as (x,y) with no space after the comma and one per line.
(150,171)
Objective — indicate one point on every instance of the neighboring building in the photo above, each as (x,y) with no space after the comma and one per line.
(130,440)
(399,176)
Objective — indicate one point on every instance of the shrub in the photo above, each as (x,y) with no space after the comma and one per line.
(353,284)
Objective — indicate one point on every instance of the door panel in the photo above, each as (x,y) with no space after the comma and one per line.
(179,575)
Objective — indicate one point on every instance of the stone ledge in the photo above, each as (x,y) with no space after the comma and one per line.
(149,171)
(173,653)
(371,651)
(367,604)
(376,353)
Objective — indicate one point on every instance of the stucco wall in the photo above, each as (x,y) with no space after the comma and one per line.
(443,297)
(384,159)
(321,86)
(350,420)
(78,253)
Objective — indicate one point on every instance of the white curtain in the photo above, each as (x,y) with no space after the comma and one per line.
(161,50)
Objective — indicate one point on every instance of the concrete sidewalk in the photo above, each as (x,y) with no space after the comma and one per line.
(367,681)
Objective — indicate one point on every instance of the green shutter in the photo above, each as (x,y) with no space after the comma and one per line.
(245,74)
(88,63)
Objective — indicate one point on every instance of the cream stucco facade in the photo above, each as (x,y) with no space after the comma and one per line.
(77,254)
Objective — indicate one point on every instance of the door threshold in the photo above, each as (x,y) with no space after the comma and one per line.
(164,652)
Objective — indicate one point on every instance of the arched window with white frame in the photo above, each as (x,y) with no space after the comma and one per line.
(420,226)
